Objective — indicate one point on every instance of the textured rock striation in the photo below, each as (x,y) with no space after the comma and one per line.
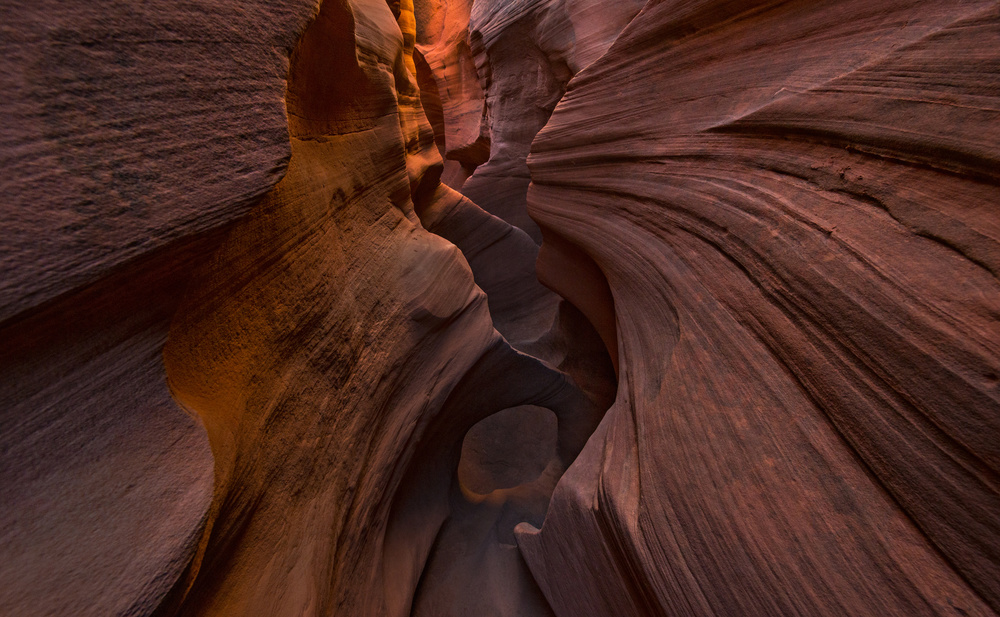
(262,358)
(525,52)
(333,351)
(450,91)
(337,352)
(131,136)
(794,207)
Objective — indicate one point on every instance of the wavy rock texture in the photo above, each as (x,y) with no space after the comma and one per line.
(337,352)
(260,360)
(525,53)
(334,352)
(107,484)
(794,206)
(131,137)
(475,567)
(511,460)
(449,87)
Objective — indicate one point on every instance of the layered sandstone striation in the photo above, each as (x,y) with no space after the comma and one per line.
(262,358)
(131,136)
(333,351)
(338,352)
(526,52)
(794,207)
(450,90)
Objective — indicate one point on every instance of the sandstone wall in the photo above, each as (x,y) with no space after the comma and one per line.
(275,342)
(794,207)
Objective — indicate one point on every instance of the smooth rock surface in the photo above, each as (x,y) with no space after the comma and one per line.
(450,87)
(525,53)
(474,567)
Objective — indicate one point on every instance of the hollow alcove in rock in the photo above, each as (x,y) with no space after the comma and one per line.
(491,460)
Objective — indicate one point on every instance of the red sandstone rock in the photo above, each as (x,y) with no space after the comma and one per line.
(335,352)
(525,52)
(127,128)
(449,84)
(794,207)
(474,567)
(130,136)
(778,217)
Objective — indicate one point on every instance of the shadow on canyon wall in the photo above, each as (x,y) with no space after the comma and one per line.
(544,307)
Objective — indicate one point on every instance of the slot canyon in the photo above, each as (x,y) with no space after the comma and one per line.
(500,308)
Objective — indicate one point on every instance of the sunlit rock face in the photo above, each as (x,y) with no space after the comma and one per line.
(337,352)
(294,447)
(275,341)
(449,86)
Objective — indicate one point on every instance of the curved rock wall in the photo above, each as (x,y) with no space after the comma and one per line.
(525,52)
(327,344)
(260,360)
(794,207)
(131,137)
(337,352)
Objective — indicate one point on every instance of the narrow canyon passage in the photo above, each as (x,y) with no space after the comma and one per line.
(500,308)
(308,264)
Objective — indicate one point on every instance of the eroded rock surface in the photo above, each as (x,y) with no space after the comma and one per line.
(523,53)
(131,136)
(337,352)
(794,206)
(129,127)
(318,339)
(260,359)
